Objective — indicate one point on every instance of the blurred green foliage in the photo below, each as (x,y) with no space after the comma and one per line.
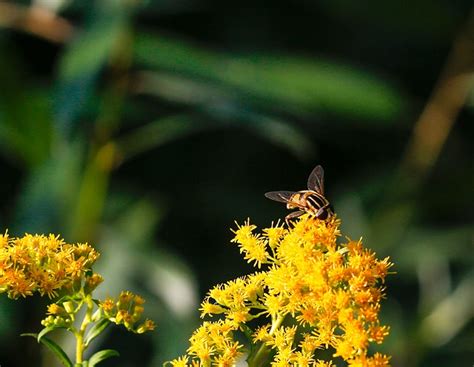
(146,128)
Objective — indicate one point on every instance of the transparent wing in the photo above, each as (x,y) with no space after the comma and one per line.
(316,180)
(281,196)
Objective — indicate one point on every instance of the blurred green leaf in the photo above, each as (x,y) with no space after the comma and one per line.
(25,115)
(170,128)
(450,244)
(155,134)
(297,84)
(49,193)
(92,193)
(96,330)
(102,355)
(25,127)
(84,58)
(53,347)
(90,50)
(45,331)
(448,318)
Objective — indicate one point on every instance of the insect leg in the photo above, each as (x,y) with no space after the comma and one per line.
(293,215)
(322,210)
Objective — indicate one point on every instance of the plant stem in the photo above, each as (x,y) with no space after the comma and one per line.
(80,346)
(262,353)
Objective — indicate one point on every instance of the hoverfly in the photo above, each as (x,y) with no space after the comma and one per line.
(311,201)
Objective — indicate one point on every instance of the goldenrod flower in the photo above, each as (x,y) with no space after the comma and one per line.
(43,264)
(108,305)
(92,282)
(327,293)
(49,266)
(147,325)
(180,362)
(252,246)
(127,310)
(262,334)
(209,308)
(55,309)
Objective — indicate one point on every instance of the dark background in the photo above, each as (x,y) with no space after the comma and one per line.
(147,128)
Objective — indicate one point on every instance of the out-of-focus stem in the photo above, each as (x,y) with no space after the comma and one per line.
(438,117)
(36,20)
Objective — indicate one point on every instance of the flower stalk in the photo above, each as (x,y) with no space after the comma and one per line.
(262,354)
(79,334)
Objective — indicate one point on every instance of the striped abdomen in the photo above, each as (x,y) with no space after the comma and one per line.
(311,202)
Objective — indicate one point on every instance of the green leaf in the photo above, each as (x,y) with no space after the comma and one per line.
(92,194)
(85,57)
(45,331)
(277,131)
(57,350)
(25,117)
(33,335)
(300,84)
(102,355)
(49,193)
(171,128)
(157,133)
(96,330)
(53,347)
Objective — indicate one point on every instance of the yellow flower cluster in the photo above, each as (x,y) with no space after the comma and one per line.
(315,294)
(49,266)
(127,310)
(43,264)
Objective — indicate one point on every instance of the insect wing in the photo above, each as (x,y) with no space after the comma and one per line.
(316,180)
(281,196)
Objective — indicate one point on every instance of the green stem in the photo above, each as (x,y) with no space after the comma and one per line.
(260,356)
(80,346)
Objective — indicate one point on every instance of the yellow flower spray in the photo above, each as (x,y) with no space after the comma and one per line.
(312,295)
(63,272)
